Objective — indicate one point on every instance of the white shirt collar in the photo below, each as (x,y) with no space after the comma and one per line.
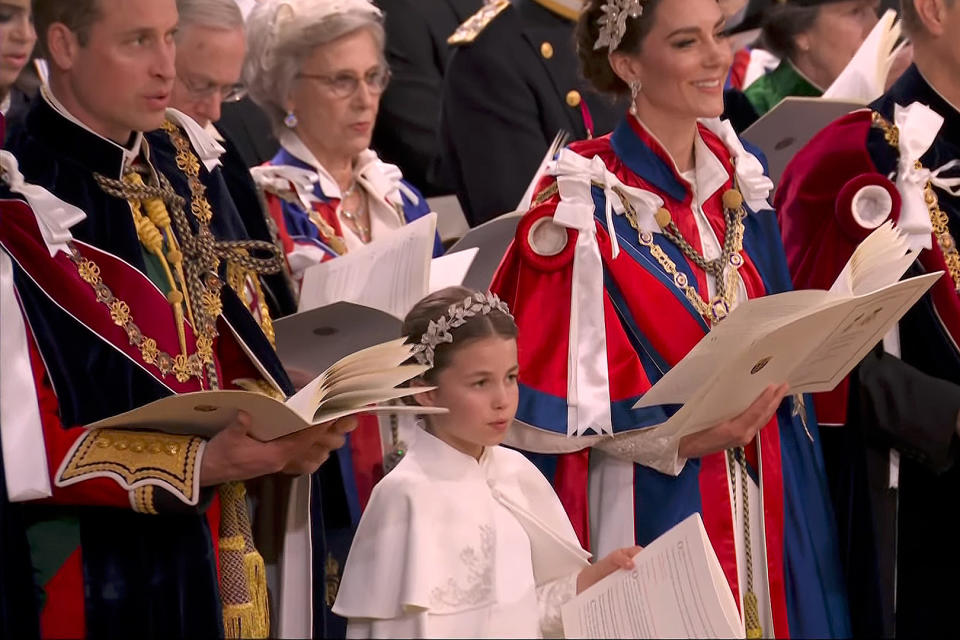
(129,154)
(295,146)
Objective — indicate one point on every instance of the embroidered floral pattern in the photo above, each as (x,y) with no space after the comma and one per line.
(478,585)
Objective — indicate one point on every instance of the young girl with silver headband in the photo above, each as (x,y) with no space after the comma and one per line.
(464,538)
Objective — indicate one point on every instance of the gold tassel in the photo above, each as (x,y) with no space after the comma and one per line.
(250,619)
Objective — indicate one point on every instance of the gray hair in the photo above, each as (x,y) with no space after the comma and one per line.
(213,14)
(282,34)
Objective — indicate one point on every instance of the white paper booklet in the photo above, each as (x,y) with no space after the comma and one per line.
(864,78)
(810,339)
(675,590)
(360,383)
(391,273)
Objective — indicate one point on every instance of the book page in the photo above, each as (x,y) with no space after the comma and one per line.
(450,269)
(672,592)
(391,273)
(811,353)
(865,321)
(747,324)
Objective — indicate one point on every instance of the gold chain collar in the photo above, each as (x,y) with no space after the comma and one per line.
(938,217)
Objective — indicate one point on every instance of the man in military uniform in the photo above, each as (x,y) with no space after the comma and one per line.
(118,276)
(512,85)
(408,124)
(892,456)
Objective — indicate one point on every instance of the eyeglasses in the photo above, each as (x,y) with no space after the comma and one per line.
(202,91)
(345,83)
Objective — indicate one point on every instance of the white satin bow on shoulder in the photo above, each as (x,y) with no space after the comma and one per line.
(588,377)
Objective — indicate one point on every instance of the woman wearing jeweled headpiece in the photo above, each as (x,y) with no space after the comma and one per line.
(318,70)
(636,245)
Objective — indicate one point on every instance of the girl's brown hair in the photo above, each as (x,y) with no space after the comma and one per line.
(434,306)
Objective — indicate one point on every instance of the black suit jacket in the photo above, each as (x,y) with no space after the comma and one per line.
(406,133)
(504,101)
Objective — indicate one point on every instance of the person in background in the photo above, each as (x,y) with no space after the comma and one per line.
(408,126)
(211,46)
(814,39)
(118,276)
(17,39)
(637,244)
(318,71)
(512,86)
(890,434)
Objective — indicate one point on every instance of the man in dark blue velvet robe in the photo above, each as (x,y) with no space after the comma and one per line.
(892,456)
(118,280)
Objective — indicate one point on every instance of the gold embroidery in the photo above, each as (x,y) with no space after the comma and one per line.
(143,500)
(120,314)
(938,217)
(136,456)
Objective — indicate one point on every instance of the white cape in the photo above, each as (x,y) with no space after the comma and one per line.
(424,531)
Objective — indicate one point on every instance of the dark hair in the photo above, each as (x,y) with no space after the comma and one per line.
(77,15)
(430,309)
(782,23)
(594,63)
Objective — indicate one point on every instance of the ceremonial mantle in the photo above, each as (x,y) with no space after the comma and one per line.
(427,546)
(101,339)
(892,466)
(304,201)
(641,296)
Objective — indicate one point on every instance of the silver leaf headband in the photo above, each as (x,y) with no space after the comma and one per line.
(438,331)
(613,22)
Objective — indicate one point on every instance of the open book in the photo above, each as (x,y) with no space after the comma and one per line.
(675,590)
(810,339)
(361,382)
(359,299)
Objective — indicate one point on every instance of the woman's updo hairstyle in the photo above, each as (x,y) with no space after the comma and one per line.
(495,323)
(594,63)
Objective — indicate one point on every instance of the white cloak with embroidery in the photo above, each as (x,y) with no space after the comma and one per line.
(452,547)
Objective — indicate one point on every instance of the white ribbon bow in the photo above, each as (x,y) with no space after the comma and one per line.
(54,216)
(208,149)
(21,429)
(751,181)
(588,377)
(918,126)
(280,179)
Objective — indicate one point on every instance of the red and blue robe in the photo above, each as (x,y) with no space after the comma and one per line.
(650,326)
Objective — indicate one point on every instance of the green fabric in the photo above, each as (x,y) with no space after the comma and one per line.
(52,541)
(155,270)
(784,81)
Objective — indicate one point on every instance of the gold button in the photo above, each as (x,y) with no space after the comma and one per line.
(546,50)
(573,98)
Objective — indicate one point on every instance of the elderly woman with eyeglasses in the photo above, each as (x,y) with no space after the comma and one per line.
(317,68)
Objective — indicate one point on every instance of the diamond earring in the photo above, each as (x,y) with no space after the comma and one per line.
(635,87)
(291,120)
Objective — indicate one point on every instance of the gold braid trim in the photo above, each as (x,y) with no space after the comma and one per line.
(238,278)
(938,217)
(182,366)
(136,458)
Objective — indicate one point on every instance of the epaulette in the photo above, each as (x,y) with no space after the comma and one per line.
(472,26)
